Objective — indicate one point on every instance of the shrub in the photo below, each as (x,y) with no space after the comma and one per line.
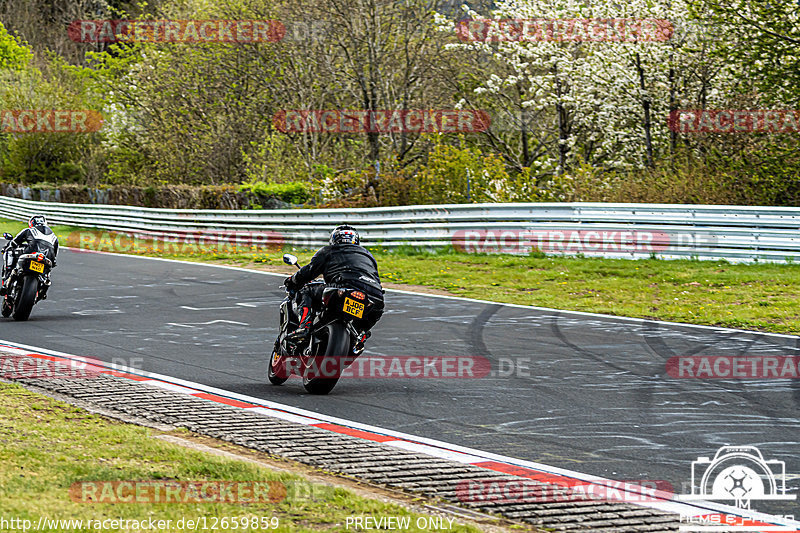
(292,192)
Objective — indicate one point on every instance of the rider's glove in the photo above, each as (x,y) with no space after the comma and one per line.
(290,284)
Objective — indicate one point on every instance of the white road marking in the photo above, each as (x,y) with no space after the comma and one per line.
(239,304)
(196,324)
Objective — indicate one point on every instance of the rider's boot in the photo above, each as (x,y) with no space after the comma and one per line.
(43,292)
(359,347)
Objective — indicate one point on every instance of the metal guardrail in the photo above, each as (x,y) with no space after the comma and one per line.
(667,231)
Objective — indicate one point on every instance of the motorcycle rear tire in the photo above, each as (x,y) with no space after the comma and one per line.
(25,299)
(338,346)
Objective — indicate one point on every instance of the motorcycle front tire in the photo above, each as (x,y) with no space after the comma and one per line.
(277,374)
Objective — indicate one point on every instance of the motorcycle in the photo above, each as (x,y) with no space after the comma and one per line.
(333,341)
(27,284)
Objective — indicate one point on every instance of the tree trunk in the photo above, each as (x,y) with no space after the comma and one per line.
(648,125)
(563,126)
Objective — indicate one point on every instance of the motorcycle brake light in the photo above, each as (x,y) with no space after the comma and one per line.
(40,257)
(358,295)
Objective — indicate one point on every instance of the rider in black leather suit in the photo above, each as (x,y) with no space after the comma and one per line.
(343,263)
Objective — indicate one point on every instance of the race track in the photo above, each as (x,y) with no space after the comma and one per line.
(587,393)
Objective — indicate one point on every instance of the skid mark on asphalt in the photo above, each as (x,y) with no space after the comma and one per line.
(601,358)
(476,341)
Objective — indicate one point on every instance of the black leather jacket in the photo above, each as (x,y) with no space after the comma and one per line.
(38,239)
(342,264)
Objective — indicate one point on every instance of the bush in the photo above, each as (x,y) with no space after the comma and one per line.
(466,175)
(757,175)
(14,55)
(293,192)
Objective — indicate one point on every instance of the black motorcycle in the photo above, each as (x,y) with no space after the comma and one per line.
(27,284)
(331,344)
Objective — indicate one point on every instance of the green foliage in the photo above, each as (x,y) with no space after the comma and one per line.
(275,158)
(293,192)
(462,175)
(762,174)
(14,54)
(200,116)
(758,41)
(38,156)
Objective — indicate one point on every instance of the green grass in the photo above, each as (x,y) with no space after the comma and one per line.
(47,445)
(749,296)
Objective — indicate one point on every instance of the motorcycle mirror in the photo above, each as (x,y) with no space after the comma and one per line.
(7,236)
(289,259)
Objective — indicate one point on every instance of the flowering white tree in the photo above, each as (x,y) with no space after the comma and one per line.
(594,85)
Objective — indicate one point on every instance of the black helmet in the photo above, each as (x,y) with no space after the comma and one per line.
(37,220)
(345,235)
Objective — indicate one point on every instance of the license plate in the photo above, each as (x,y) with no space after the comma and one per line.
(37,267)
(352,307)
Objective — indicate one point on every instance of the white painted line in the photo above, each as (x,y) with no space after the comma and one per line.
(190,308)
(196,324)
(274,413)
(435,452)
(168,386)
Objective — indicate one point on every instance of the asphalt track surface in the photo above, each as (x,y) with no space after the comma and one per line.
(587,393)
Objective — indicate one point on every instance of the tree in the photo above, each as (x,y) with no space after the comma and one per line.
(602,100)
(762,39)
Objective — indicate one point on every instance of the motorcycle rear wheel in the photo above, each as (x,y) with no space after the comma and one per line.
(25,299)
(336,347)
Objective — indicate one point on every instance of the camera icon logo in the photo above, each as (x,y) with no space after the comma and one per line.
(739,474)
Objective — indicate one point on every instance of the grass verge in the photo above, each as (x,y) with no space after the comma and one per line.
(48,446)
(761,296)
